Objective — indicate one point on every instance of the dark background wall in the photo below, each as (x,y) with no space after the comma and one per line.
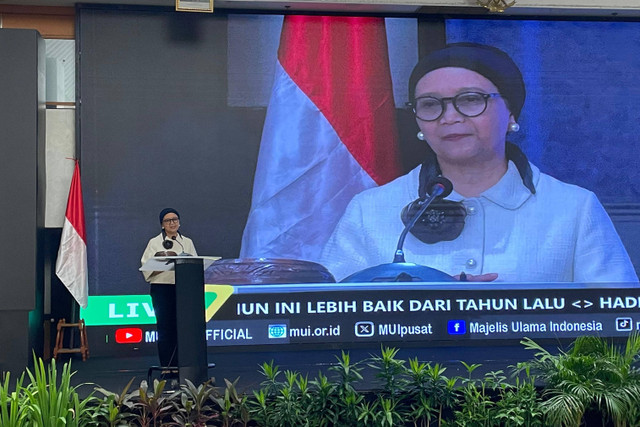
(22,126)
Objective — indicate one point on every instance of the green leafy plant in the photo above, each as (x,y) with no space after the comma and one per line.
(295,400)
(289,402)
(347,373)
(11,403)
(271,372)
(322,407)
(261,407)
(153,406)
(593,375)
(475,404)
(430,392)
(115,409)
(381,412)
(415,393)
(233,405)
(348,401)
(389,414)
(368,412)
(193,405)
(519,404)
(50,402)
(390,372)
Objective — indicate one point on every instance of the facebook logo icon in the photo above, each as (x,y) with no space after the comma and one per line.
(456,327)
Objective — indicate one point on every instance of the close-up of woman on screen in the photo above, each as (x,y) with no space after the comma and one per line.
(505,220)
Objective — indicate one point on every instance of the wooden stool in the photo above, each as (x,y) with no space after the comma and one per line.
(84,346)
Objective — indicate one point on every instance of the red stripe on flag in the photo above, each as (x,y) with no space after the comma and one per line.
(342,65)
(75,206)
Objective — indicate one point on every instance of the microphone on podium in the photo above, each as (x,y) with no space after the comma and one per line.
(183,253)
(167,244)
(399,270)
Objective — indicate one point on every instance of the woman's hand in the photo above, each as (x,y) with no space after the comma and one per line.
(487,277)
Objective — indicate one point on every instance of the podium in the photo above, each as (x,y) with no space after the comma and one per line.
(190,312)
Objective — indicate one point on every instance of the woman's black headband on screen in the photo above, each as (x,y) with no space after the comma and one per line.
(489,61)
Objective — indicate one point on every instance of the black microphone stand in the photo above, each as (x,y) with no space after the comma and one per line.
(399,270)
(183,253)
(438,190)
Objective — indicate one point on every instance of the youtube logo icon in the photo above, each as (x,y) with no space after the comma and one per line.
(128,335)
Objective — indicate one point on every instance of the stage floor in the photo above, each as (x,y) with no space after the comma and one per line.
(113,373)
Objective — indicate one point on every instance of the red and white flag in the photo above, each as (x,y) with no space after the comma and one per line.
(71,266)
(330,132)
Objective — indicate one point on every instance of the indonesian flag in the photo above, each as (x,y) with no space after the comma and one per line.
(71,266)
(330,132)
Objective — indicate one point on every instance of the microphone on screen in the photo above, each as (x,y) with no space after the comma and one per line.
(399,270)
(439,187)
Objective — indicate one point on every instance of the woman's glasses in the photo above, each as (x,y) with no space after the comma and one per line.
(469,104)
(171,221)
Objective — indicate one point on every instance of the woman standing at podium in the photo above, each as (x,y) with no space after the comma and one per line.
(505,219)
(170,242)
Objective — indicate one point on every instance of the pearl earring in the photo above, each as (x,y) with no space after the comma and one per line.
(514,127)
(420,136)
